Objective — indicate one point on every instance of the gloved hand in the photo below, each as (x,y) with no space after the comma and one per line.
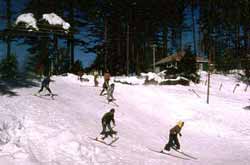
(180,134)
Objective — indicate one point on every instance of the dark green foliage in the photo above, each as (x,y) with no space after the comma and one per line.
(77,66)
(220,26)
(63,61)
(187,66)
(226,61)
(8,67)
(133,27)
(38,61)
(246,68)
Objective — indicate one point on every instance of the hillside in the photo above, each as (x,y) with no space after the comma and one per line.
(42,131)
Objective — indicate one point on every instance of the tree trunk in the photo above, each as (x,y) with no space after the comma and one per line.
(180,38)
(165,41)
(68,54)
(72,52)
(133,52)
(127,51)
(106,42)
(238,45)
(245,33)
(193,23)
(8,14)
(119,52)
(137,52)
(55,54)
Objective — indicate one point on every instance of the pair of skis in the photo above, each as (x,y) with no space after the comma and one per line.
(102,141)
(41,96)
(111,102)
(187,156)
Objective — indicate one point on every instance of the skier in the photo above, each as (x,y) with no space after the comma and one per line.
(173,139)
(110,92)
(105,85)
(106,123)
(80,73)
(45,84)
(95,78)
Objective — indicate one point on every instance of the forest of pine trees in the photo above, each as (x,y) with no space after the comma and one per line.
(121,32)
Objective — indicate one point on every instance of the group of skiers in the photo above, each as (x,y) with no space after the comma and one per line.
(108,117)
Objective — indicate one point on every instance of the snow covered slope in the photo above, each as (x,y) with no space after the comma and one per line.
(42,131)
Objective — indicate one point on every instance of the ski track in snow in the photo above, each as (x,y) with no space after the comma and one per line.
(37,131)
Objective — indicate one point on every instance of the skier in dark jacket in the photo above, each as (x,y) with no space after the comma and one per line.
(110,93)
(173,137)
(106,123)
(45,84)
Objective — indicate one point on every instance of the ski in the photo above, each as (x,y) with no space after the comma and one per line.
(52,94)
(42,96)
(113,141)
(103,142)
(113,103)
(169,154)
(185,154)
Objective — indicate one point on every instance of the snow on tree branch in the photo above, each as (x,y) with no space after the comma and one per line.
(54,19)
(28,19)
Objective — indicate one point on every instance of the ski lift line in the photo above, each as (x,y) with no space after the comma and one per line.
(48,25)
(40,35)
(49,30)
(58,30)
(32,32)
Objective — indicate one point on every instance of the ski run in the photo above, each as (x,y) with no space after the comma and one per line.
(43,131)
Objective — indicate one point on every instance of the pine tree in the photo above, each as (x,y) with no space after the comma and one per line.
(8,67)
(187,66)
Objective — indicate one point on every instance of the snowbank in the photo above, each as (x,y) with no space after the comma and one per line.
(54,19)
(152,76)
(159,78)
(28,19)
(133,80)
(12,137)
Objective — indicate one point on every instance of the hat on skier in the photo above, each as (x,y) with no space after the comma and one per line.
(180,123)
(112,110)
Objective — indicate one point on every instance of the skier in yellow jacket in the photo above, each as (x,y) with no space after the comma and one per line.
(173,141)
